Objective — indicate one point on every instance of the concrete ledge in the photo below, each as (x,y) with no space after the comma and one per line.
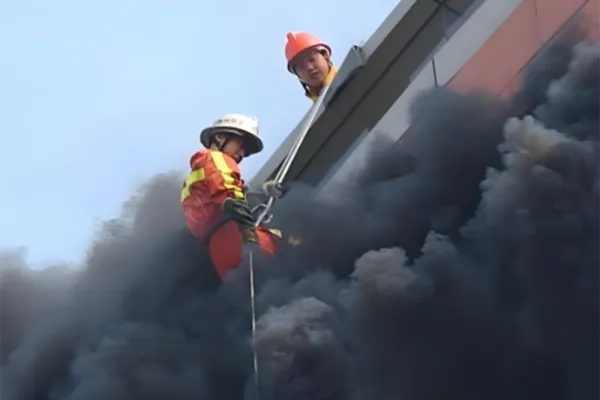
(442,66)
(394,123)
(387,26)
(369,95)
(274,162)
(379,52)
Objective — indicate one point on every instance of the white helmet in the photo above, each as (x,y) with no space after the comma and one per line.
(237,124)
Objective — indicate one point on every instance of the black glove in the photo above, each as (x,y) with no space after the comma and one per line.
(238,211)
(249,234)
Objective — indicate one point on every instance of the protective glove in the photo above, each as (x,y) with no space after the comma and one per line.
(273,189)
(238,211)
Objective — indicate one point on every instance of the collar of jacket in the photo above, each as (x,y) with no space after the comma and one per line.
(313,93)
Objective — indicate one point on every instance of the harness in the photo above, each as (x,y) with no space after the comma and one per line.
(224,221)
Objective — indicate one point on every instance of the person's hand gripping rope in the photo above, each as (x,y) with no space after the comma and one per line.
(239,211)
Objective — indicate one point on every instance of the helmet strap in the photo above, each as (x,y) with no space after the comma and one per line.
(220,140)
(305,87)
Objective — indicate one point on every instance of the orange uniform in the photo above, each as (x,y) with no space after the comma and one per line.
(215,177)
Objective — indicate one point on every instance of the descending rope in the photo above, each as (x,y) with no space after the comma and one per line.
(253,304)
(279,177)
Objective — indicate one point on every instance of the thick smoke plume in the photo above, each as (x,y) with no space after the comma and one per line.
(461,264)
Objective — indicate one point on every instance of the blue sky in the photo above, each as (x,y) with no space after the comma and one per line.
(98,96)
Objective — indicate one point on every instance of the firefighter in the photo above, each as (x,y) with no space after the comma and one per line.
(213,195)
(310,60)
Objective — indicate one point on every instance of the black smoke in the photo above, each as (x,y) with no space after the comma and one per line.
(461,263)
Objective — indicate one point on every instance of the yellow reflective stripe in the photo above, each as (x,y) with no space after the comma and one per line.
(276,232)
(196,175)
(294,241)
(332,73)
(226,173)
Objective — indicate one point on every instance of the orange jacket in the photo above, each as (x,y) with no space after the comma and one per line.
(214,177)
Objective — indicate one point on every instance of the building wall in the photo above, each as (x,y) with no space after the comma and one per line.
(385,76)
(488,52)
(532,24)
(387,61)
(445,62)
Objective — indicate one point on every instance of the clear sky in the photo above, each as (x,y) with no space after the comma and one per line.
(98,96)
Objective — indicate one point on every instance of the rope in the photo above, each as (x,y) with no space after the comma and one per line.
(253,304)
(280,176)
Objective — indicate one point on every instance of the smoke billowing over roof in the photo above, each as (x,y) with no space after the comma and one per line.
(462,265)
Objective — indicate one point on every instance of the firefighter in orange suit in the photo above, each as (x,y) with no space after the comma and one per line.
(213,196)
(310,60)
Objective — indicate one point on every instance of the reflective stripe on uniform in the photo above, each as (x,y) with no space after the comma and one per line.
(226,173)
(294,241)
(276,232)
(196,175)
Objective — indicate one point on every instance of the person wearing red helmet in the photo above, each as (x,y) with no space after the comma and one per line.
(310,60)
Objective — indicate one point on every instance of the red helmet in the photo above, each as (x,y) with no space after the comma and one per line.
(297,42)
